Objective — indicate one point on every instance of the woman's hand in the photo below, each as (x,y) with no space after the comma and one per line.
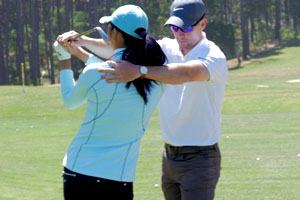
(66,40)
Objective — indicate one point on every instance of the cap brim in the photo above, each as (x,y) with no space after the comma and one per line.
(176,21)
(105,19)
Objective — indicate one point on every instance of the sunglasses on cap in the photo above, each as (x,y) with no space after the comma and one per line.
(189,29)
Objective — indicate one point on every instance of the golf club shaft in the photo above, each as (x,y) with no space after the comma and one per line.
(84,33)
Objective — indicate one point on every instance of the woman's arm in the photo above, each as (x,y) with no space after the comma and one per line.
(97,46)
(73,94)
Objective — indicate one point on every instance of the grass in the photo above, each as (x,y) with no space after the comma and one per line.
(258,122)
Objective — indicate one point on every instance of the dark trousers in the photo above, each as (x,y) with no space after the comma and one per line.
(191,176)
(82,187)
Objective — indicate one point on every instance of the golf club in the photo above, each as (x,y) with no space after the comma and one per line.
(98,29)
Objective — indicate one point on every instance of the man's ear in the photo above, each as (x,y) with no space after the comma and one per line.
(203,24)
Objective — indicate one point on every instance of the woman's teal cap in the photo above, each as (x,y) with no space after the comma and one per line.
(128,18)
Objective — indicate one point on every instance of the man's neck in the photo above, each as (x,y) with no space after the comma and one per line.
(185,51)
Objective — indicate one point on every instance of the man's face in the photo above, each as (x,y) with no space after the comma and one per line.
(188,40)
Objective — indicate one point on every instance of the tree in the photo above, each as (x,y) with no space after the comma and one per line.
(286,11)
(58,17)
(277,19)
(34,55)
(68,9)
(27,34)
(294,8)
(20,57)
(93,16)
(48,39)
(3,69)
(245,30)
(6,37)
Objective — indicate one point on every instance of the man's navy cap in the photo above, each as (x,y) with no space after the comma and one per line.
(185,13)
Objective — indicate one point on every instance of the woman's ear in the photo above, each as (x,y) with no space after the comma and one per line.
(115,34)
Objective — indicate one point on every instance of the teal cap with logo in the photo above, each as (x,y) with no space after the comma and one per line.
(128,18)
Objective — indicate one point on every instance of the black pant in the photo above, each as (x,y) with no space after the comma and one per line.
(78,186)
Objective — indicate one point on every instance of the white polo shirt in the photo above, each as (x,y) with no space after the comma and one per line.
(190,113)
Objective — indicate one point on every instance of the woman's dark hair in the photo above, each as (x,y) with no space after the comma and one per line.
(144,51)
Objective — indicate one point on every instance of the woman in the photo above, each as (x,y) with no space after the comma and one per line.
(101,160)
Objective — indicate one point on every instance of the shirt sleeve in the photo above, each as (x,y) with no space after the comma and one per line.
(217,68)
(73,94)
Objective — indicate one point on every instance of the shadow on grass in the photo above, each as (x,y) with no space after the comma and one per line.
(271,52)
(275,50)
(267,53)
(236,68)
(291,43)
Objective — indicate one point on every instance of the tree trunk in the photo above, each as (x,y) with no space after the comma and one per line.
(286,10)
(50,41)
(59,27)
(245,31)
(93,16)
(108,5)
(34,64)
(230,11)
(3,72)
(67,19)
(237,54)
(3,69)
(78,5)
(45,17)
(20,57)
(277,20)
(225,11)
(266,14)
(252,30)
(7,29)
(295,25)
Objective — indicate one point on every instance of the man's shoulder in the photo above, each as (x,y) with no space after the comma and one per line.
(166,41)
(213,50)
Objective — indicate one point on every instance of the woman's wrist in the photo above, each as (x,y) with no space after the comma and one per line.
(65,64)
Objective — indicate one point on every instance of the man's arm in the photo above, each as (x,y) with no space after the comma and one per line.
(175,73)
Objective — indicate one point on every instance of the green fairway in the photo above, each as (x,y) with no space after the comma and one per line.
(260,137)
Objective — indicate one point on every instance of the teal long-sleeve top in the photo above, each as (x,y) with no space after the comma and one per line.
(107,143)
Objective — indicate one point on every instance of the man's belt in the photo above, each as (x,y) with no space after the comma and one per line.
(188,149)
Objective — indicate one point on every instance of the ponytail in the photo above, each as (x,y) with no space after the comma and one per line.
(145,51)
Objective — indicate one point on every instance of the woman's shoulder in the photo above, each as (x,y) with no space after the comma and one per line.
(94,67)
(90,73)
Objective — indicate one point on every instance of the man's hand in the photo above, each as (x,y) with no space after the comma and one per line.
(123,71)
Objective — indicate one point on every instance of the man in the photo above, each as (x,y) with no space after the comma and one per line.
(190,110)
